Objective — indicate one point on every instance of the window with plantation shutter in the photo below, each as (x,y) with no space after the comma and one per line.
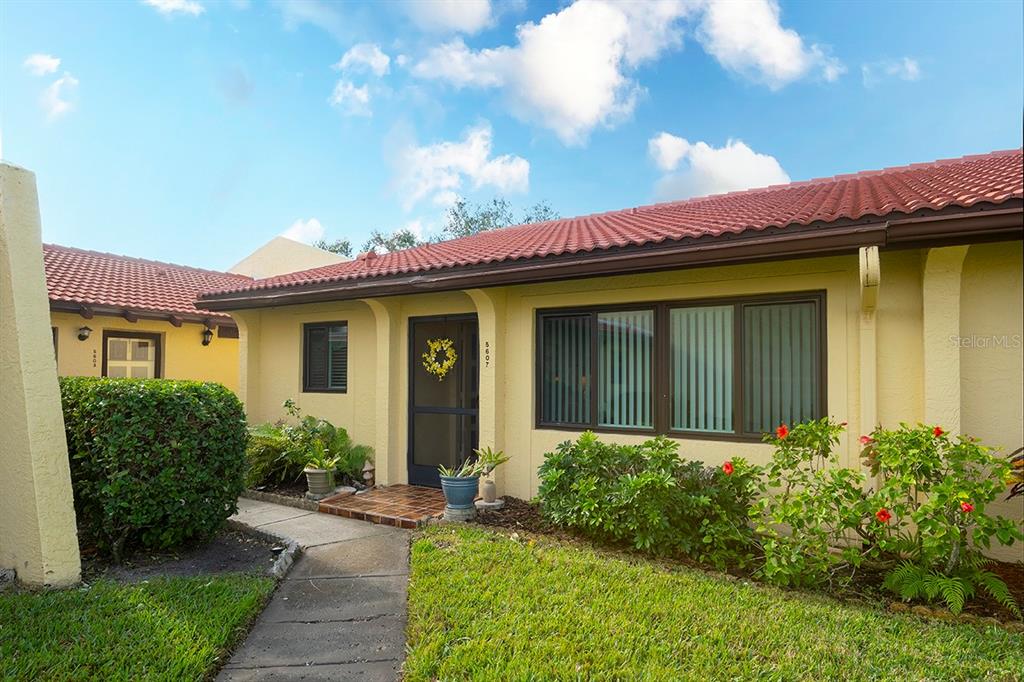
(720,368)
(325,357)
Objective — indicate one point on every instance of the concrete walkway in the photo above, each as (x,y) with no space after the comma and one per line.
(340,613)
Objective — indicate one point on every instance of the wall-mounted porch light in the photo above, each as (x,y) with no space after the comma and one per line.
(207,336)
(83,333)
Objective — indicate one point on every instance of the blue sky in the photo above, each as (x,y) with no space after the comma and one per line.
(193,131)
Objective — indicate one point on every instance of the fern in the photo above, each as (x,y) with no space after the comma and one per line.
(911,581)
(995,586)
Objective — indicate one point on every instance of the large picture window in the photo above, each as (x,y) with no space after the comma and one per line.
(325,357)
(724,368)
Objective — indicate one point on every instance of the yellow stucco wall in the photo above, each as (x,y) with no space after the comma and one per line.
(182,354)
(37,516)
(992,357)
(375,407)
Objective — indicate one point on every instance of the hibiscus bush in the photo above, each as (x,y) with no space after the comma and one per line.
(931,506)
(808,507)
(645,495)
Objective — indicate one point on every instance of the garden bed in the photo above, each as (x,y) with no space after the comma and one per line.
(227,552)
(485,606)
(525,517)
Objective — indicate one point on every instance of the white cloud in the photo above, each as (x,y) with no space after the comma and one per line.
(192,7)
(438,171)
(568,73)
(747,37)
(41,64)
(450,16)
(714,170)
(667,150)
(56,99)
(906,69)
(364,57)
(352,100)
(306,231)
(313,12)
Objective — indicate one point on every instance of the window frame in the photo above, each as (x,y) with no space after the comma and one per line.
(305,355)
(662,362)
(155,338)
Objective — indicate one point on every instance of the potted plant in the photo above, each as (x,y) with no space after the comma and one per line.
(460,484)
(319,470)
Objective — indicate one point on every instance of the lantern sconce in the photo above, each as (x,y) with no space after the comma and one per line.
(207,336)
(83,333)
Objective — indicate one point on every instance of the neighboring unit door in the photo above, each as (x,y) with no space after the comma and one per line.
(443,412)
(131,355)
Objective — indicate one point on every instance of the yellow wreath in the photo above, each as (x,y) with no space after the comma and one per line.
(430,358)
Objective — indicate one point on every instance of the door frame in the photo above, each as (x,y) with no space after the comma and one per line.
(413,355)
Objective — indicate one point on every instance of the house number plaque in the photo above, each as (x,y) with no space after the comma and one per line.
(487,353)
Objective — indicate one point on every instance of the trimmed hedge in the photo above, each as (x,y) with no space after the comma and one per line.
(154,462)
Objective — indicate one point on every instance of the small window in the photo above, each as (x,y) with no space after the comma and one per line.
(325,357)
(131,355)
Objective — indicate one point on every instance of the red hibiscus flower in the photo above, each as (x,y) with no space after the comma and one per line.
(782,431)
(937,431)
(865,440)
(966,507)
(883,515)
(728,468)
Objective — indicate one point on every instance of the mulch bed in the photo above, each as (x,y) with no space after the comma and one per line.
(227,552)
(287,488)
(522,516)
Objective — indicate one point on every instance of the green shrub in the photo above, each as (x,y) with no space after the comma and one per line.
(279,452)
(154,462)
(808,507)
(933,496)
(645,495)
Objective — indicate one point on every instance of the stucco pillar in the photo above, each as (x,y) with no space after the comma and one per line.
(387,457)
(870,281)
(37,517)
(490,310)
(248,322)
(941,301)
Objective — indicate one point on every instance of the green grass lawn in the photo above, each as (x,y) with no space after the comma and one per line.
(482,606)
(166,629)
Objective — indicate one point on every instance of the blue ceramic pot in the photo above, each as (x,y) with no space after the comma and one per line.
(459,492)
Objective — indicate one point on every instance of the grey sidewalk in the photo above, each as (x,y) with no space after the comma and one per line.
(340,613)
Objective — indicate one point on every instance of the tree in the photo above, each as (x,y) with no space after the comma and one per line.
(540,212)
(396,241)
(342,247)
(464,219)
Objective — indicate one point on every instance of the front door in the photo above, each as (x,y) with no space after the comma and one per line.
(443,394)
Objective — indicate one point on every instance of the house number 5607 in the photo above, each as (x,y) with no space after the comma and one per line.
(487,353)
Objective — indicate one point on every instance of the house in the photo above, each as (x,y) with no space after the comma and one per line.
(879,297)
(127,317)
(117,316)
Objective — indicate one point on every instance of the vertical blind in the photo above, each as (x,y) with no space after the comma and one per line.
(780,365)
(625,346)
(701,356)
(565,369)
(740,367)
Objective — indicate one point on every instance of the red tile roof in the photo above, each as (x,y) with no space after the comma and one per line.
(105,281)
(993,178)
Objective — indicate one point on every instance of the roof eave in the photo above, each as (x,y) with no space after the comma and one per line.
(130,314)
(979,223)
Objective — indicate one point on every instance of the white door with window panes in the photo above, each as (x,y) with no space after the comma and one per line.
(130,357)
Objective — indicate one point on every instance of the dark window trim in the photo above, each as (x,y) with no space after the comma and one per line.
(155,338)
(305,354)
(662,362)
